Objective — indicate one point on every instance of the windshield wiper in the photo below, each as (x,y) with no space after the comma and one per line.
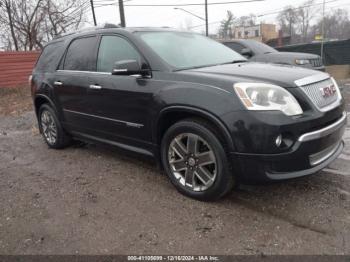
(234,62)
(192,67)
(201,66)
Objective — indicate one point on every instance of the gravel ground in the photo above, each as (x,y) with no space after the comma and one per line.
(91,199)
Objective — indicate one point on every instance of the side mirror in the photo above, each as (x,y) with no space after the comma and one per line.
(246,52)
(129,67)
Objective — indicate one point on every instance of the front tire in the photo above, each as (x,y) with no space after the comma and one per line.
(51,128)
(195,160)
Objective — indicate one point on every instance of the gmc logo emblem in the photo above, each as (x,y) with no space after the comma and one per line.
(328,91)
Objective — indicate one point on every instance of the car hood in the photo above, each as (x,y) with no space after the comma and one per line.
(282,75)
(292,55)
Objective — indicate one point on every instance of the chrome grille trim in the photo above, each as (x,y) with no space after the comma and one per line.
(340,123)
(311,79)
(323,155)
(312,86)
(316,62)
(314,93)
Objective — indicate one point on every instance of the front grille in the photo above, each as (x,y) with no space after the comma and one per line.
(317,62)
(314,92)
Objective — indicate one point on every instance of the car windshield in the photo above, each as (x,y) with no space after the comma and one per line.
(184,50)
(260,48)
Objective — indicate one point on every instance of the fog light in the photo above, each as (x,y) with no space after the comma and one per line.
(278,140)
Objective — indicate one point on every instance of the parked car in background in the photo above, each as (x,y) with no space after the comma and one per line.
(210,118)
(260,52)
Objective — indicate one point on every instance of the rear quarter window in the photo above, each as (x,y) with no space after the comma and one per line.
(50,57)
(81,54)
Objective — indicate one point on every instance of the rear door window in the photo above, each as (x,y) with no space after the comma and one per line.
(50,57)
(80,55)
(113,49)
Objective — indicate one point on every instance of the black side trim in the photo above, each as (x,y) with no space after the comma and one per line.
(113,143)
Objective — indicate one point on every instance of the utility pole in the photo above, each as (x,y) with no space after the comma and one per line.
(206,18)
(121,12)
(322,43)
(93,11)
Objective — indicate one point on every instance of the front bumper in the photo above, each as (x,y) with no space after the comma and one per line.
(311,152)
(321,68)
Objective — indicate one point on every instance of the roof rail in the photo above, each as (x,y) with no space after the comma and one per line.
(109,25)
(87,29)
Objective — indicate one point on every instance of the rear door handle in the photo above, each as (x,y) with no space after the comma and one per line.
(95,87)
(58,83)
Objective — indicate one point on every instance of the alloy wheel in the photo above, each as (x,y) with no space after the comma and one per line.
(192,162)
(49,127)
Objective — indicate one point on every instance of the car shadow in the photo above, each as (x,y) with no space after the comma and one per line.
(315,203)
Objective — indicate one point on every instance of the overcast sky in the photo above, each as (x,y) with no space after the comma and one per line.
(168,16)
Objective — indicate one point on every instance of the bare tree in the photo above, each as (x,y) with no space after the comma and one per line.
(306,13)
(288,19)
(225,29)
(7,19)
(62,17)
(248,20)
(336,25)
(33,23)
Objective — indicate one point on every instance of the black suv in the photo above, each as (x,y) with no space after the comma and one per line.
(211,118)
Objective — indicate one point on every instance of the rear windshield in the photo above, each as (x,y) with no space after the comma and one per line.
(50,57)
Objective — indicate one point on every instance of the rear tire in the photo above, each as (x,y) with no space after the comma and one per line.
(196,161)
(51,128)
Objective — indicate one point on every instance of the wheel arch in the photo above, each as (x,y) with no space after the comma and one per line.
(41,99)
(173,114)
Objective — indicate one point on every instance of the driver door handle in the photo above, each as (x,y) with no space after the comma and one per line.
(95,87)
(58,83)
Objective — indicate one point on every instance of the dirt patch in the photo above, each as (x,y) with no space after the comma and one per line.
(14,101)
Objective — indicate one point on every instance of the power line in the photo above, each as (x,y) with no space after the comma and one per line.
(211,23)
(78,8)
(295,8)
(81,10)
(277,12)
(184,10)
(195,4)
(110,2)
(336,6)
(206,4)
(173,5)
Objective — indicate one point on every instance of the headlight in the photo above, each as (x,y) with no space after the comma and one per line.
(264,97)
(302,61)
